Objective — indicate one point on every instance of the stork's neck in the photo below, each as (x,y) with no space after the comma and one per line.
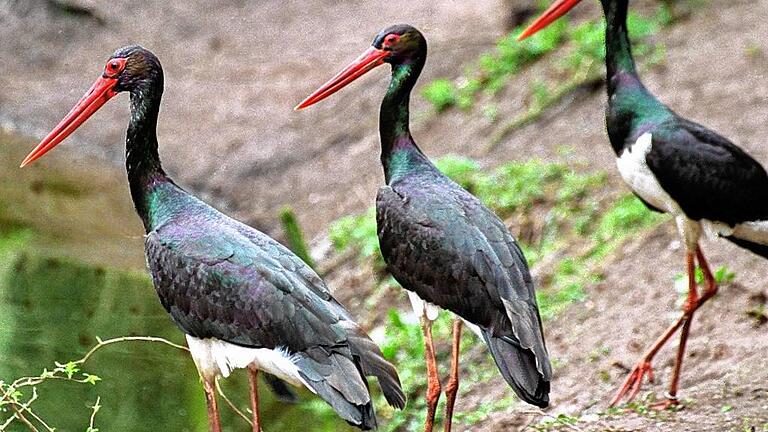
(145,173)
(631,107)
(399,152)
(618,55)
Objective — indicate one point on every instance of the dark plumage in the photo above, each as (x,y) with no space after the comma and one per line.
(441,243)
(674,165)
(706,174)
(242,298)
(219,278)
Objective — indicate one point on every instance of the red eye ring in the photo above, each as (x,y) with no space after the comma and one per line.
(391,39)
(114,67)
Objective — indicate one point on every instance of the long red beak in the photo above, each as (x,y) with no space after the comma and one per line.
(555,11)
(100,92)
(368,60)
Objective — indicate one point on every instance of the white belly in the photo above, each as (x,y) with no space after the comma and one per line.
(214,357)
(423,307)
(636,173)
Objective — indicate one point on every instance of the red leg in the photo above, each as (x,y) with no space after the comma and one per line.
(433,382)
(692,301)
(631,385)
(453,382)
(711,288)
(253,374)
(214,421)
(633,381)
(671,397)
(692,304)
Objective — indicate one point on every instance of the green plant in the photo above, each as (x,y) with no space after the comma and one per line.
(483,411)
(559,422)
(17,397)
(358,231)
(518,185)
(441,93)
(490,72)
(294,236)
(462,170)
(627,214)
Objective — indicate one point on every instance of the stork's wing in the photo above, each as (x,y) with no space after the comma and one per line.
(220,284)
(454,252)
(709,176)
(233,283)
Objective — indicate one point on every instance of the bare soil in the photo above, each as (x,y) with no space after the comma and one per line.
(234,69)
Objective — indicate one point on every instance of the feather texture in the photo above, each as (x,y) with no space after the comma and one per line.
(441,243)
(220,279)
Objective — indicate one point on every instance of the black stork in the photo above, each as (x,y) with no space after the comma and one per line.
(442,244)
(242,299)
(674,165)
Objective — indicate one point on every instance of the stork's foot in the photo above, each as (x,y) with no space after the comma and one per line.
(634,380)
(669,402)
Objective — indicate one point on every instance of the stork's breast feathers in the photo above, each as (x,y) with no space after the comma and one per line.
(636,173)
(706,175)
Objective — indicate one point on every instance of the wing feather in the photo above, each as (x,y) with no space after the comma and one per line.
(707,175)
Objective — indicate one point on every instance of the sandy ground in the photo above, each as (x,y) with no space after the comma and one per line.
(234,69)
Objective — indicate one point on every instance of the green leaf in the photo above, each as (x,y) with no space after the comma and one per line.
(91,379)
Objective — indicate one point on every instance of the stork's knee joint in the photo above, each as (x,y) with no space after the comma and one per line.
(433,390)
(452,386)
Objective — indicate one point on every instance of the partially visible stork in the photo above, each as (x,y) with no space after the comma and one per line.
(676,166)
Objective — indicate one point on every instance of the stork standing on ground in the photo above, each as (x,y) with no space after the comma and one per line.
(442,244)
(242,299)
(676,166)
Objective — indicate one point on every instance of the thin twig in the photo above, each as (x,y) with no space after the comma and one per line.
(18,415)
(231,405)
(19,408)
(102,344)
(95,408)
(26,407)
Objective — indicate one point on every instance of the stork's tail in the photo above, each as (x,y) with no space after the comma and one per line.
(374,364)
(757,248)
(339,381)
(519,368)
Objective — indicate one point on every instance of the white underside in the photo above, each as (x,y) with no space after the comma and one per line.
(425,308)
(634,170)
(214,358)
(636,173)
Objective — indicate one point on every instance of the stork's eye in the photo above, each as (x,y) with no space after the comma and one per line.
(390,40)
(114,67)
